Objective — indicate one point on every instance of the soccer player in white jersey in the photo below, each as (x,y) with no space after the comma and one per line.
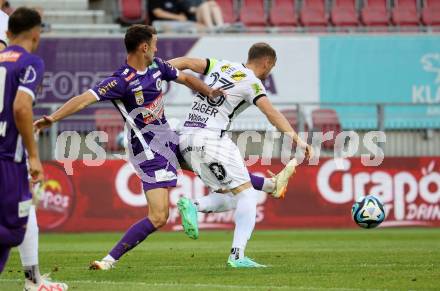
(24,28)
(213,156)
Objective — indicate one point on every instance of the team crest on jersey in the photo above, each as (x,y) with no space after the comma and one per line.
(218,170)
(139,96)
(225,67)
(238,76)
(30,75)
(159,84)
(257,89)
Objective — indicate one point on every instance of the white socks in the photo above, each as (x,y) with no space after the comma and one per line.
(245,205)
(268,185)
(216,202)
(245,216)
(28,249)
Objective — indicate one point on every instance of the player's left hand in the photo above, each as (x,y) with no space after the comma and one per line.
(216,93)
(42,123)
(308,149)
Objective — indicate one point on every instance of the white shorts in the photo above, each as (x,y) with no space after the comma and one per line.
(216,160)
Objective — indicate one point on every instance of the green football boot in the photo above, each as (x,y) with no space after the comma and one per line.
(243,263)
(188,212)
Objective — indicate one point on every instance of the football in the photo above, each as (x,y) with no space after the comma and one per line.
(368,212)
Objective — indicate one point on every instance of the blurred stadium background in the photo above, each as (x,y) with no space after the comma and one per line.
(343,65)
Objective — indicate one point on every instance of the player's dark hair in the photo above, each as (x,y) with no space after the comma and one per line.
(138,34)
(261,50)
(23,19)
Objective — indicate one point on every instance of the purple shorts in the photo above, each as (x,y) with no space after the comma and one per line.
(14,188)
(160,172)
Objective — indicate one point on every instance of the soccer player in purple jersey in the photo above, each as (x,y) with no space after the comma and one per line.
(135,89)
(21,74)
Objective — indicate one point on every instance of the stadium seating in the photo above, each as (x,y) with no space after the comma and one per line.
(313,13)
(325,120)
(344,13)
(132,11)
(227,7)
(283,13)
(109,121)
(252,13)
(431,12)
(405,13)
(375,13)
(292,116)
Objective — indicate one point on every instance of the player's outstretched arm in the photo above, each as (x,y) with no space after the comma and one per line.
(70,107)
(282,124)
(198,85)
(23,116)
(194,64)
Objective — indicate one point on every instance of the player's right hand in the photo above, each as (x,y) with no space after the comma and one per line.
(214,93)
(36,170)
(42,123)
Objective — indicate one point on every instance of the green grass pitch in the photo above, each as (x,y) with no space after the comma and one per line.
(391,259)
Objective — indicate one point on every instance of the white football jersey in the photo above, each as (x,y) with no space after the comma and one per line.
(3,26)
(242,89)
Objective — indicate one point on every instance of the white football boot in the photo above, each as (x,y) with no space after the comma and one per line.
(46,284)
(102,265)
(281,179)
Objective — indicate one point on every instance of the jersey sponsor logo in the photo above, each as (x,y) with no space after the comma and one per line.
(9,57)
(159,84)
(129,77)
(225,67)
(139,96)
(154,110)
(257,88)
(134,82)
(157,74)
(125,72)
(238,76)
(102,90)
(138,88)
(204,108)
(194,124)
(192,148)
(218,170)
(30,75)
(197,118)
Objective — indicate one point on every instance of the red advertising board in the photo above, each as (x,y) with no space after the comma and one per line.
(109,197)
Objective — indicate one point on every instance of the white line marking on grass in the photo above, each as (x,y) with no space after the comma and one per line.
(217,286)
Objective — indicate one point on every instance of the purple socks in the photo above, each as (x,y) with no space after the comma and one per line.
(134,235)
(257,182)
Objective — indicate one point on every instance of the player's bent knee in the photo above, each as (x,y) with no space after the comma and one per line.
(159,219)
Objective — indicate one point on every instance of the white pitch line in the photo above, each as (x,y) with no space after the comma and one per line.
(193,285)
